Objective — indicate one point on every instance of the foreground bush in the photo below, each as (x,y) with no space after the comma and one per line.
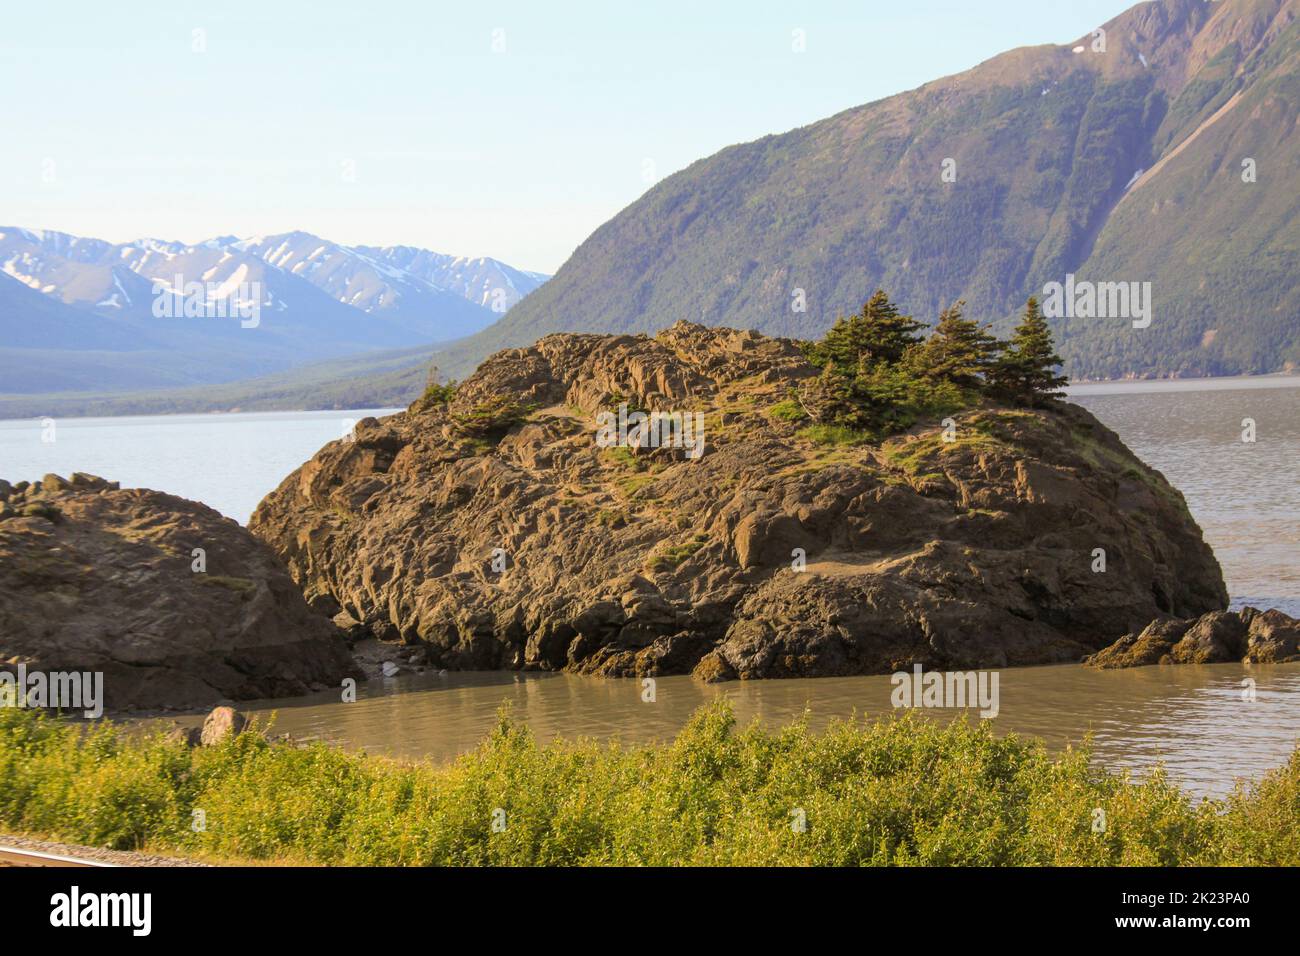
(902,791)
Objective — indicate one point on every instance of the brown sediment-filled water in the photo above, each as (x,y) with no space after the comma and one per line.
(1193,718)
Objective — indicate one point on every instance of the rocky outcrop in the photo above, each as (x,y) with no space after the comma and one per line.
(98,578)
(1250,636)
(495,532)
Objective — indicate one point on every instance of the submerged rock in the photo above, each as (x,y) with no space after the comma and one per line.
(1250,636)
(496,533)
(98,578)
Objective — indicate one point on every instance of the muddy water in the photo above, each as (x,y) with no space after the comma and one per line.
(1193,718)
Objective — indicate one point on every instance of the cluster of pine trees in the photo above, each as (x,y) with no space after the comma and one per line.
(879,375)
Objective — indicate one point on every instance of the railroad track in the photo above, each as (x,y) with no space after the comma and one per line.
(12,856)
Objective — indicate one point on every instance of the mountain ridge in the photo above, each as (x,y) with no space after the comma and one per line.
(1047,144)
(66,299)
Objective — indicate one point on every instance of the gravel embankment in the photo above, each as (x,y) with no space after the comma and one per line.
(115,857)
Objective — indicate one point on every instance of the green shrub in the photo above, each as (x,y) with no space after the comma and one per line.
(904,790)
(435,394)
(40,509)
(878,377)
(623,456)
(788,411)
(491,418)
(834,435)
(672,556)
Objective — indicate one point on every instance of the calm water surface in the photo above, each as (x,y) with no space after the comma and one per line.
(229,462)
(1194,719)
(1246,497)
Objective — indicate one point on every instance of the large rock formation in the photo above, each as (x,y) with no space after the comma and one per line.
(498,533)
(1250,636)
(97,578)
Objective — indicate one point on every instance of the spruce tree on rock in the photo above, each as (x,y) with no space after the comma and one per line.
(960,351)
(1026,370)
(831,398)
(879,334)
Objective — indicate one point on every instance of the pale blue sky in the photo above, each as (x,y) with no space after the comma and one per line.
(115,127)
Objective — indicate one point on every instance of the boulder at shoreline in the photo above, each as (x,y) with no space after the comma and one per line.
(98,578)
(1250,636)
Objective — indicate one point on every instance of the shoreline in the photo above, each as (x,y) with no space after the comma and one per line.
(424,717)
(1280,379)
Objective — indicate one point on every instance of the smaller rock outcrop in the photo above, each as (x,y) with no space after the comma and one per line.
(174,604)
(1249,635)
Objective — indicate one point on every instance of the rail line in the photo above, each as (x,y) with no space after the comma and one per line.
(12,856)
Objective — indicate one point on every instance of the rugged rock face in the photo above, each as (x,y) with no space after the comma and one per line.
(97,578)
(498,533)
(1249,635)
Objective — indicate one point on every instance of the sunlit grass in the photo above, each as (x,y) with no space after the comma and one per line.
(898,791)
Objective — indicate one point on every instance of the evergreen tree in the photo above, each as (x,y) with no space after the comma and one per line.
(879,334)
(1025,372)
(832,398)
(960,351)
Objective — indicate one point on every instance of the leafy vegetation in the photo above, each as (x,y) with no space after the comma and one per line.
(833,435)
(40,509)
(491,417)
(879,335)
(899,791)
(435,392)
(1023,371)
(623,456)
(788,411)
(240,585)
(672,556)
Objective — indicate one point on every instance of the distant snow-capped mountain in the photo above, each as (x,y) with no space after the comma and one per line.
(316,300)
(374,278)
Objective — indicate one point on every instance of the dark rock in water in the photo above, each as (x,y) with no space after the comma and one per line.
(1250,636)
(97,578)
(496,533)
(1271,636)
(1149,647)
(1213,639)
